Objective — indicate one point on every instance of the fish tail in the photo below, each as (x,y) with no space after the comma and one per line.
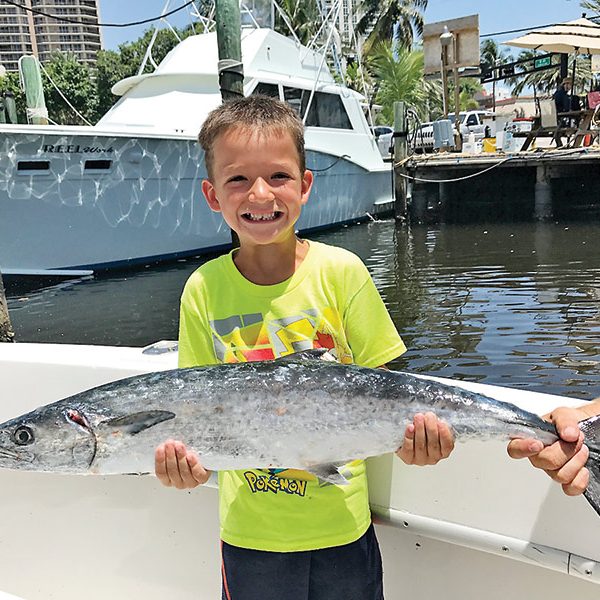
(591,430)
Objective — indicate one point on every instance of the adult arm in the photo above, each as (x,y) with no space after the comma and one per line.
(564,461)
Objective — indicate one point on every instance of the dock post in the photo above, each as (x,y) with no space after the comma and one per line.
(400,154)
(6,332)
(443,193)
(229,42)
(418,206)
(543,194)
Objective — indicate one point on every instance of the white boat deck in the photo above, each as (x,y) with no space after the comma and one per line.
(447,531)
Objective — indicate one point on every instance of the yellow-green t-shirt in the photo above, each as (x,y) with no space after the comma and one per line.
(329,302)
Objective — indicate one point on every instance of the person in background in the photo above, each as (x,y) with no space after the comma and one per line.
(562,96)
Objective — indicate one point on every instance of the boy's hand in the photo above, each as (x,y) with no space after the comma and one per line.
(564,460)
(176,466)
(427,440)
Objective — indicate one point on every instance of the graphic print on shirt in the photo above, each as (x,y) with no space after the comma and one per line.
(249,337)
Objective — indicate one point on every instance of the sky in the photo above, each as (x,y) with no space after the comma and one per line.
(494,15)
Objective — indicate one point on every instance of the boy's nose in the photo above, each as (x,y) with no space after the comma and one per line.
(260,191)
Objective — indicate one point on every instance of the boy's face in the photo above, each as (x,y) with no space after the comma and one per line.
(257,185)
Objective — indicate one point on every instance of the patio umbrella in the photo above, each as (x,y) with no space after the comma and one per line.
(580,36)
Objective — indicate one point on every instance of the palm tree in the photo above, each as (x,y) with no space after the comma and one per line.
(546,82)
(400,77)
(491,56)
(591,5)
(387,20)
(304,18)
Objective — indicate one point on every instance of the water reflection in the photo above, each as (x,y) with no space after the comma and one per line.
(513,304)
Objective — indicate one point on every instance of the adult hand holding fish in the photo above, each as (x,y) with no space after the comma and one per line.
(564,460)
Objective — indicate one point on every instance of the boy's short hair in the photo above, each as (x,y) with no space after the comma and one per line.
(254,113)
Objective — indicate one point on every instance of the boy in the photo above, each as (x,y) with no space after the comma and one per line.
(274,295)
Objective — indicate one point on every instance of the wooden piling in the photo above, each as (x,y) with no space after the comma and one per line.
(400,154)
(229,41)
(543,194)
(6,331)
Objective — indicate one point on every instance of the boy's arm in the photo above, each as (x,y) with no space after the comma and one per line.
(564,461)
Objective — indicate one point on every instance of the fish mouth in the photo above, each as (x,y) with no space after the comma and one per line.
(16,456)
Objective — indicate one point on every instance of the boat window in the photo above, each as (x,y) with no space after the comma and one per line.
(326,110)
(33,165)
(266,89)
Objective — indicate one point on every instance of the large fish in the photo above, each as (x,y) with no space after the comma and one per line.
(296,412)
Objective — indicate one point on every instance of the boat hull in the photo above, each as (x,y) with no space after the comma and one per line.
(79,200)
(448,531)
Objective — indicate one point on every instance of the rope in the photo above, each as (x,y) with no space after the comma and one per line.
(63,96)
(331,165)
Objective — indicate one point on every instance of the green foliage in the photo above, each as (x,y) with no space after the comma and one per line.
(396,20)
(399,76)
(304,17)
(74,80)
(10,83)
(468,87)
(591,5)
(546,82)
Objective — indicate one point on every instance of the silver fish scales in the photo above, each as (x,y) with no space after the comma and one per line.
(297,412)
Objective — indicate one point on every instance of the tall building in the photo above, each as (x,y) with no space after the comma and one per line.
(346,17)
(27,29)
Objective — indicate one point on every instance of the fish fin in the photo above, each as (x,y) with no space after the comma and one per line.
(139,421)
(312,354)
(591,430)
(328,472)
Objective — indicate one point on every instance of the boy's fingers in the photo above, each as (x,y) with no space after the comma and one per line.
(406,452)
(432,444)
(420,440)
(160,465)
(446,439)
(198,472)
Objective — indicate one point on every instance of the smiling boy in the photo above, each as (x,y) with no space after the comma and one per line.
(274,295)
(294,538)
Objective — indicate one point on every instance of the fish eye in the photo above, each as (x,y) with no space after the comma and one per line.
(23,436)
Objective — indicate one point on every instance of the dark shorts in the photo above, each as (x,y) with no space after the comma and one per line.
(350,572)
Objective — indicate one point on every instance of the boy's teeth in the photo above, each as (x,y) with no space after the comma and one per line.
(263,217)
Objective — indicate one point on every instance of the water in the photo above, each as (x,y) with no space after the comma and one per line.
(514,304)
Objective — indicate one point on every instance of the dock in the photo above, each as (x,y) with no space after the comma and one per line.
(543,184)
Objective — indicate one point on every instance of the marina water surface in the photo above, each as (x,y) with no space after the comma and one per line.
(513,304)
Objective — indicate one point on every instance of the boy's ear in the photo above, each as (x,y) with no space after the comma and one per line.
(307,181)
(208,189)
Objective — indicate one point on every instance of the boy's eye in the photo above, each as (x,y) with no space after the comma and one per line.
(280,176)
(236,178)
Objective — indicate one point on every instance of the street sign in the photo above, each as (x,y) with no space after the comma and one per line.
(542,62)
(518,68)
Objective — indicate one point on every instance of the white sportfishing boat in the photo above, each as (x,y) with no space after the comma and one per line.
(478,525)
(127,190)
